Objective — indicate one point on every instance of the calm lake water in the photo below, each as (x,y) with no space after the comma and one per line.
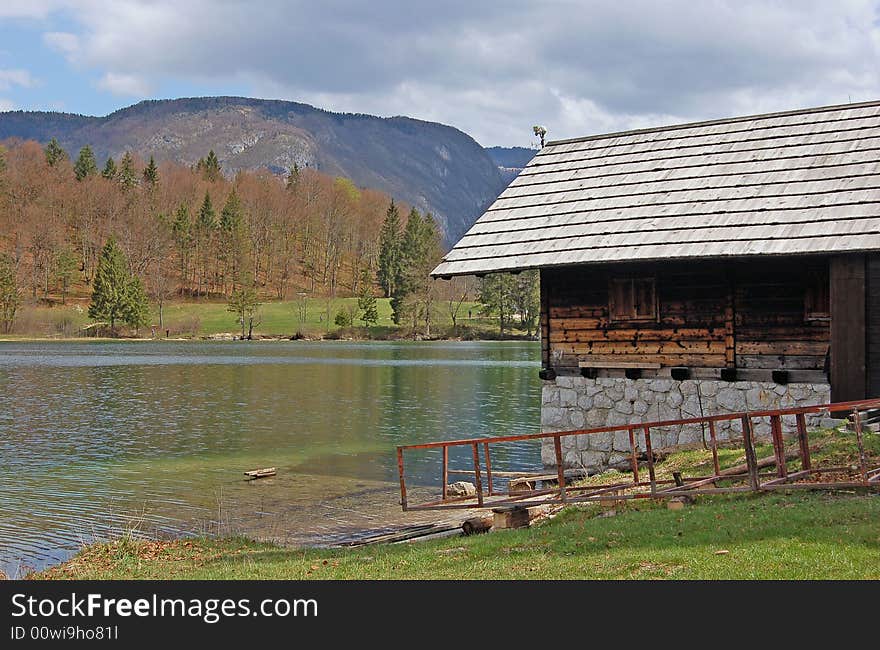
(102,438)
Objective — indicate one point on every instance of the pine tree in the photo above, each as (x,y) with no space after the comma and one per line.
(181,231)
(206,224)
(54,153)
(109,171)
(293,178)
(207,217)
(210,167)
(232,235)
(10,295)
(496,294)
(389,250)
(137,309)
(244,304)
(116,294)
(127,176)
(413,289)
(151,173)
(85,165)
(366,301)
(66,263)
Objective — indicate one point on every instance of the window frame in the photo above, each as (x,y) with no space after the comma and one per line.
(632,315)
(814,278)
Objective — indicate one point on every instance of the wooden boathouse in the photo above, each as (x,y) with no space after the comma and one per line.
(696,269)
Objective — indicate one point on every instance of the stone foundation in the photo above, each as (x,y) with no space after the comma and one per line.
(569,403)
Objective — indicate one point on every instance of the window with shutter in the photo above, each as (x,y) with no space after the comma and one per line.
(817,300)
(632,299)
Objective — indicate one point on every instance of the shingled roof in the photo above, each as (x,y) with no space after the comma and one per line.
(790,183)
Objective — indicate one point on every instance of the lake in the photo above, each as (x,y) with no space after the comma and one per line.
(151,438)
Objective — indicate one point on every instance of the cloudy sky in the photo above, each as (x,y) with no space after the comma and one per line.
(490,68)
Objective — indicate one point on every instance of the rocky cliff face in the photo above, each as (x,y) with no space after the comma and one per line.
(510,160)
(432,166)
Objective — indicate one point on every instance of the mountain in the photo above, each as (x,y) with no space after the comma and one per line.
(431,166)
(510,160)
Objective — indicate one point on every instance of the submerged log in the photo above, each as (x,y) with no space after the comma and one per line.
(260,473)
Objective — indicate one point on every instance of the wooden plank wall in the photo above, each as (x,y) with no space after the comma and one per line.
(872,308)
(847,328)
(711,314)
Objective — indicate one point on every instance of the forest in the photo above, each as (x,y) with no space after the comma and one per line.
(135,231)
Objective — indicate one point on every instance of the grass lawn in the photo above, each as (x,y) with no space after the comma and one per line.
(778,536)
(205,318)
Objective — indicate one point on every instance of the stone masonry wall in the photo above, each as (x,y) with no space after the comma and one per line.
(569,403)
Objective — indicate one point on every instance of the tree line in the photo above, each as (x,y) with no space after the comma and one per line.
(146,231)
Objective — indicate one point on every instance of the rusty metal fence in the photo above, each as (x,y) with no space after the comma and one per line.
(755,474)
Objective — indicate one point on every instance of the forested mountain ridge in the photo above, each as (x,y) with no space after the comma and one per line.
(434,167)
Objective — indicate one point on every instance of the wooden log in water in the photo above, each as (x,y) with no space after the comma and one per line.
(260,473)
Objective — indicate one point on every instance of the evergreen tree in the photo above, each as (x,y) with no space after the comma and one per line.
(127,176)
(66,263)
(293,178)
(109,171)
(151,173)
(181,231)
(366,302)
(54,153)
(137,308)
(210,167)
(10,295)
(244,304)
(343,318)
(206,224)
(232,235)
(207,217)
(389,250)
(85,164)
(116,294)
(496,296)
(413,288)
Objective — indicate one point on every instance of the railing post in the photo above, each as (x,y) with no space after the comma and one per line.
(402,480)
(478,479)
(714,438)
(488,468)
(445,471)
(803,441)
(863,466)
(634,455)
(778,445)
(751,459)
(560,468)
(650,453)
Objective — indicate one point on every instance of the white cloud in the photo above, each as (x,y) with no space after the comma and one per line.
(29,8)
(124,84)
(64,42)
(6,105)
(494,69)
(16,77)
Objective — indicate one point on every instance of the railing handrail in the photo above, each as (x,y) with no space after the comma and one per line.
(818,408)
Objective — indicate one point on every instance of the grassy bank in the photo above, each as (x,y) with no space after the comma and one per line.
(195,319)
(780,536)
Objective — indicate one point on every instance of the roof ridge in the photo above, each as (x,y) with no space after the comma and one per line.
(725,120)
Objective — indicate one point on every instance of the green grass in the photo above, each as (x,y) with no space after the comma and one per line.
(780,536)
(276,318)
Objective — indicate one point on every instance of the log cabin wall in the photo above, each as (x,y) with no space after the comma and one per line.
(872,296)
(708,314)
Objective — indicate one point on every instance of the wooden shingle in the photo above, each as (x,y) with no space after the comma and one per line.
(800,182)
